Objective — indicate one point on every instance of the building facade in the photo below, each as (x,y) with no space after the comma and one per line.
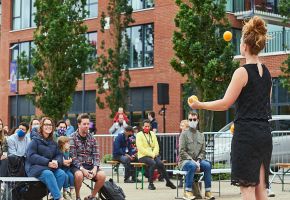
(150,53)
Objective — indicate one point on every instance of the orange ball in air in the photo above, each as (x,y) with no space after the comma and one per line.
(232,129)
(191,99)
(228,36)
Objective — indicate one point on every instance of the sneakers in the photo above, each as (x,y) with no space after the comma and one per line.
(270,193)
(208,195)
(171,185)
(151,186)
(90,198)
(73,194)
(128,181)
(188,195)
(138,181)
(66,195)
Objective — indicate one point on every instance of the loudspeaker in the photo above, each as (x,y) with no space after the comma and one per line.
(163,93)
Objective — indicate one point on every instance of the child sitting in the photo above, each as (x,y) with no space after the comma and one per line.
(64,146)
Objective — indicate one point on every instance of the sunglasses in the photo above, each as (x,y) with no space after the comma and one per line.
(192,120)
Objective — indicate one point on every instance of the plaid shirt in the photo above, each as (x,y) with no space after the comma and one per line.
(84,151)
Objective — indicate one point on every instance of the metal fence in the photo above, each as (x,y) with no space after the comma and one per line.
(218,147)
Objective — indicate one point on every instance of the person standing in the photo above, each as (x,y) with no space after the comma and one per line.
(250,88)
(153,122)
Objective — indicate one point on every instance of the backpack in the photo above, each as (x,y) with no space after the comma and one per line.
(16,166)
(29,191)
(110,191)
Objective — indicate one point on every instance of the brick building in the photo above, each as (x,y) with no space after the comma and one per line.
(149,60)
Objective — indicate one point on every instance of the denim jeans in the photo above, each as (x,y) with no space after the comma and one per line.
(54,181)
(152,165)
(129,169)
(70,179)
(190,167)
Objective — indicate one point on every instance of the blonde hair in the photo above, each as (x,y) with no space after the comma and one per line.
(255,34)
(61,142)
(185,123)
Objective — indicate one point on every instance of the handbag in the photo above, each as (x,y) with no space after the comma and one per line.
(196,188)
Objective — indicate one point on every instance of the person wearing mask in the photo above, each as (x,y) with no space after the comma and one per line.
(61,129)
(192,157)
(18,142)
(69,128)
(118,127)
(84,151)
(148,153)
(34,123)
(44,160)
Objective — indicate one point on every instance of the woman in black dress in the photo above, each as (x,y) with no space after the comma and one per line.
(250,90)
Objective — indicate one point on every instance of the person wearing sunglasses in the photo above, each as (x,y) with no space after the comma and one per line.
(192,157)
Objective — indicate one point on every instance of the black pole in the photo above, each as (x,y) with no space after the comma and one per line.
(17,84)
(164,123)
(83,92)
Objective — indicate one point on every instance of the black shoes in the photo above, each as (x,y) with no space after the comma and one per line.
(151,186)
(128,181)
(138,181)
(171,185)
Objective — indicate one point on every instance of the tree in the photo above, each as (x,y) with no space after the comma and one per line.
(112,65)
(201,53)
(284,10)
(60,56)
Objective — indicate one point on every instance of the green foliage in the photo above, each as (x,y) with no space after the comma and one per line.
(284,10)
(107,157)
(111,64)
(60,56)
(201,53)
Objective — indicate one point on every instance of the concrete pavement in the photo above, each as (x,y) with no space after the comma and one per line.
(162,192)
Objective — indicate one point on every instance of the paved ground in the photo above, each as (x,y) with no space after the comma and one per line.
(162,192)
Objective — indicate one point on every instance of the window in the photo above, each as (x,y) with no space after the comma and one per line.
(23,14)
(280,99)
(89,103)
(25,111)
(140,102)
(235,5)
(23,47)
(140,46)
(141,4)
(92,7)
(92,39)
(237,34)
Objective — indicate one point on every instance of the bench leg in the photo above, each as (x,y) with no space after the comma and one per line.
(142,171)
(117,166)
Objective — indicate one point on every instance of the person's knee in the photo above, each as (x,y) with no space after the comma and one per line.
(79,176)
(47,173)
(101,176)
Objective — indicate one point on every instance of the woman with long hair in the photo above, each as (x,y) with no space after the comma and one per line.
(44,160)
(250,88)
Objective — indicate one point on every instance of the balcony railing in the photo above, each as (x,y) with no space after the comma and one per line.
(279,41)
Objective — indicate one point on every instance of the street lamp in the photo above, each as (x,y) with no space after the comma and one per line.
(16,46)
(83,92)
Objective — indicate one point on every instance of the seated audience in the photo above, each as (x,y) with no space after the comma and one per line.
(3,151)
(118,127)
(124,152)
(84,151)
(60,130)
(18,143)
(69,186)
(44,160)
(34,123)
(69,128)
(192,157)
(148,153)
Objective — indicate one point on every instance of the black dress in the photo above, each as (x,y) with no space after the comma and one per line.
(252,140)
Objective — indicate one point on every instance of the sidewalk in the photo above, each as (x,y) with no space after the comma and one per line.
(162,192)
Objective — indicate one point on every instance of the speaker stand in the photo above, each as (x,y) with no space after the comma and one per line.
(163,113)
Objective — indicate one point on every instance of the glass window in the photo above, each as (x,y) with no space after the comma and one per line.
(22,47)
(237,34)
(140,46)
(141,4)
(92,7)
(92,39)
(280,99)
(23,14)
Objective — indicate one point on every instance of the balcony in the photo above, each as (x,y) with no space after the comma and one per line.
(267,9)
(279,42)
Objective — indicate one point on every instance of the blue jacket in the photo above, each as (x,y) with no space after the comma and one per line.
(39,153)
(121,144)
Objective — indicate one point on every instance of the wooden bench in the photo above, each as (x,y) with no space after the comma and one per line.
(115,165)
(285,169)
(139,167)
